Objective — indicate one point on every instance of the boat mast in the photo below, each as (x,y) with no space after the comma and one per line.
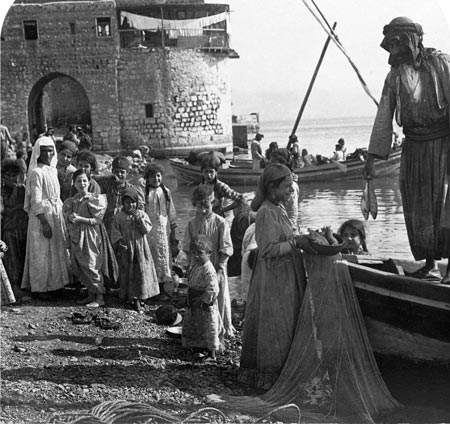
(308,92)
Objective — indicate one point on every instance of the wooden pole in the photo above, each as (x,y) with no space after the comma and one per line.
(308,92)
(163,42)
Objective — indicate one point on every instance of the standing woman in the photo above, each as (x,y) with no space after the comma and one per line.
(277,284)
(47,260)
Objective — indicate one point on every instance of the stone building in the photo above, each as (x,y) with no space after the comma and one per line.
(133,72)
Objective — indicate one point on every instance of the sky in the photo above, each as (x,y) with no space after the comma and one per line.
(279,44)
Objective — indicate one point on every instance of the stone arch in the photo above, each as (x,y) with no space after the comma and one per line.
(58,100)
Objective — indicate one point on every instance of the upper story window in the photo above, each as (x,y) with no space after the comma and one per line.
(30,30)
(104,27)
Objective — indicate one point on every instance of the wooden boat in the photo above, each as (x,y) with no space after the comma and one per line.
(405,317)
(242,174)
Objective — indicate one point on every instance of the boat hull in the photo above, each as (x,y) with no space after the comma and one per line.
(242,174)
(404,316)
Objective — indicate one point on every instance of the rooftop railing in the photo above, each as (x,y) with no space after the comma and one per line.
(206,39)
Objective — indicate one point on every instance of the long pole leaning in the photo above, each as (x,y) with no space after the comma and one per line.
(308,92)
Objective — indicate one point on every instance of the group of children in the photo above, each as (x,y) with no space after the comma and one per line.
(125,234)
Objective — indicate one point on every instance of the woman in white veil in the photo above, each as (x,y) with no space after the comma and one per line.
(47,260)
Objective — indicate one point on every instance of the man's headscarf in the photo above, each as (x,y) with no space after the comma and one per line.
(408,34)
(272,172)
(40,142)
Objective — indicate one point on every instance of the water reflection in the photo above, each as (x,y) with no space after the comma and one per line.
(330,203)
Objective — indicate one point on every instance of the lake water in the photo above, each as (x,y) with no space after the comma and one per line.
(328,203)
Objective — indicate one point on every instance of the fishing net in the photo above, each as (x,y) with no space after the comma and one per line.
(330,372)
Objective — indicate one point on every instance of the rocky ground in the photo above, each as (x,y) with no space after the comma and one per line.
(53,366)
(50,365)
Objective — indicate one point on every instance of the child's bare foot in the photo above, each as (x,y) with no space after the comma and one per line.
(138,306)
(97,302)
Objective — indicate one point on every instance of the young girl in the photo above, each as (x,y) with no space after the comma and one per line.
(217,230)
(65,169)
(223,194)
(276,286)
(87,161)
(201,320)
(91,251)
(161,210)
(137,276)
(354,232)
(113,186)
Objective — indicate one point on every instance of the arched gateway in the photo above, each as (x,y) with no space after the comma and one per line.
(58,100)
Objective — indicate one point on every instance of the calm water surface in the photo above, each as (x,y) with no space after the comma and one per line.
(329,204)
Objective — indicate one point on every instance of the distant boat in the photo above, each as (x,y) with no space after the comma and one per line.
(404,316)
(240,173)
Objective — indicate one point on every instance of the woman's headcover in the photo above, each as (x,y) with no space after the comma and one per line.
(131,193)
(272,172)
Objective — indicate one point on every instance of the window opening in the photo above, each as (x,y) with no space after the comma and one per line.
(104,27)
(149,110)
(30,30)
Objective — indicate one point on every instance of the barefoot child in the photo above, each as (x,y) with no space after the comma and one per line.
(137,275)
(90,248)
(201,320)
(217,230)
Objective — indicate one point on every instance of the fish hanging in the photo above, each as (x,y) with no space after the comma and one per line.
(369,204)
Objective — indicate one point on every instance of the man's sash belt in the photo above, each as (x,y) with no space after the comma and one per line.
(427,133)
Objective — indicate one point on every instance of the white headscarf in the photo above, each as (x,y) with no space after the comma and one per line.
(41,141)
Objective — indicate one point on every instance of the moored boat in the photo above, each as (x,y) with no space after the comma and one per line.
(405,317)
(242,174)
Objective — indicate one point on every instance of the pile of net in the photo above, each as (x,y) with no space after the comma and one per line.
(330,372)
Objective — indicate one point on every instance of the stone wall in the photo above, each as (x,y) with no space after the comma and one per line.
(187,89)
(189,93)
(91,61)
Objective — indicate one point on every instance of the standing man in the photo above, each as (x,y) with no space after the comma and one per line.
(417,92)
(256,151)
